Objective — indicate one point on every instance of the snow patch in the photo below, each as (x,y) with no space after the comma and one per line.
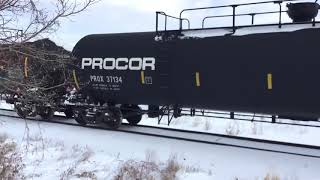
(245,30)
(53,151)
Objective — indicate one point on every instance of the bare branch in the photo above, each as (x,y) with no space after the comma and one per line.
(40,65)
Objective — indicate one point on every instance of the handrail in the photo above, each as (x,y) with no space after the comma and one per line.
(234,26)
(166,20)
(233,6)
(246,14)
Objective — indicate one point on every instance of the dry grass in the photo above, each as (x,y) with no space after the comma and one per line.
(196,122)
(256,129)
(233,129)
(177,121)
(85,156)
(151,156)
(132,170)
(11,165)
(75,153)
(271,177)
(87,175)
(171,169)
(191,169)
(303,130)
(207,125)
(149,170)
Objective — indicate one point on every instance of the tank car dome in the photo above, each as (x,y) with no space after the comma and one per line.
(302,12)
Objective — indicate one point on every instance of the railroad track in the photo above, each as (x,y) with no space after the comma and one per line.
(246,118)
(200,137)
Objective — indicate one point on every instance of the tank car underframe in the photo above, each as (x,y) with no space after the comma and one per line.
(107,114)
(89,114)
(31,109)
(113,114)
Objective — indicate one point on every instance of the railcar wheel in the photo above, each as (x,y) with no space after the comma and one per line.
(115,118)
(46,113)
(132,113)
(134,120)
(21,110)
(154,111)
(81,117)
(68,112)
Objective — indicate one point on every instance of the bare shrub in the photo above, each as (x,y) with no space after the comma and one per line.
(69,172)
(85,156)
(22,21)
(11,164)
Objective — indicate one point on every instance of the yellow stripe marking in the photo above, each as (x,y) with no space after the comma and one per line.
(198,79)
(75,79)
(26,67)
(142,77)
(270,83)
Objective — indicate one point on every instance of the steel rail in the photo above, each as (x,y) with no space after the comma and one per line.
(294,145)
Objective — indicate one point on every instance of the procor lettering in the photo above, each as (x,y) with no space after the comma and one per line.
(135,64)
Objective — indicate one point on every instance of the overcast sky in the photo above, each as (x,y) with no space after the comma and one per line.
(116,16)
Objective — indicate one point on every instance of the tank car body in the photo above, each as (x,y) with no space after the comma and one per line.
(269,69)
(273,73)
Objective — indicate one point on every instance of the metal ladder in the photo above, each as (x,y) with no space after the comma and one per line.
(163,64)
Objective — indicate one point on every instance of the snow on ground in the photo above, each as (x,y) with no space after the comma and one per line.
(4,105)
(278,132)
(51,151)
